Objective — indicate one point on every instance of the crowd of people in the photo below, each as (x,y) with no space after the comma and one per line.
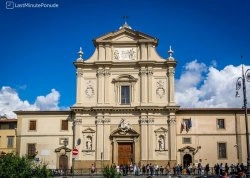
(222,170)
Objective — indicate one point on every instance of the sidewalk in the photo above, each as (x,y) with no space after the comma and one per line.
(141,176)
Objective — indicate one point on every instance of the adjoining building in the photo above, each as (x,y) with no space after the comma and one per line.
(7,135)
(125,112)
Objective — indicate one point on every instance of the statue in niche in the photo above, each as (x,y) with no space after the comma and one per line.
(161,143)
(89,143)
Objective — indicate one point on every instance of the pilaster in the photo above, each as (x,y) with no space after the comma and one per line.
(100,85)
(106,84)
(147,148)
(172,136)
(170,74)
(79,78)
(143,83)
(101,135)
(150,76)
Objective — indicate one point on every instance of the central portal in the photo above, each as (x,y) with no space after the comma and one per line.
(125,153)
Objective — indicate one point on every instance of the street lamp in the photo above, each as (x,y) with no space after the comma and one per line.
(245,76)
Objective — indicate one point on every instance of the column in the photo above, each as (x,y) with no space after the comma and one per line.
(172,136)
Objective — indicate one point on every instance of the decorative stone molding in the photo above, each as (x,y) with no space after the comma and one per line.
(160,91)
(118,133)
(102,120)
(89,91)
(79,72)
(106,72)
(160,135)
(124,126)
(146,120)
(124,54)
(171,72)
(171,121)
(150,72)
(88,140)
(142,72)
(78,121)
(100,72)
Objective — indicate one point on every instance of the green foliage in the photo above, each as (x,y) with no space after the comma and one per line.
(110,172)
(13,166)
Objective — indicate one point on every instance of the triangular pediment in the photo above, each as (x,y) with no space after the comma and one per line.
(88,130)
(125,35)
(120,133)
(161,129)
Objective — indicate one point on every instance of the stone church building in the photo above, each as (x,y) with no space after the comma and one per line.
(125,112)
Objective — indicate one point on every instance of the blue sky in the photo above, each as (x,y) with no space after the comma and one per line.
(39,45)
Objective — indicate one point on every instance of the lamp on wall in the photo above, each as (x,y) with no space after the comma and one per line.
(242,80)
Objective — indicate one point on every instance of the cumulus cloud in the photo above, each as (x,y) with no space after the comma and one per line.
(10,101)
(201,86)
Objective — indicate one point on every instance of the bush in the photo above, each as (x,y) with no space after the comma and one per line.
(13,166)
(110,172)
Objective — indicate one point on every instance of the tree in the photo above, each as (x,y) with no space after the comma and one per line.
(13,166)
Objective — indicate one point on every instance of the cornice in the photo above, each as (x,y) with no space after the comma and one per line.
(121,108)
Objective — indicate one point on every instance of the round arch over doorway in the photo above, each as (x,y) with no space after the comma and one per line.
(187,160)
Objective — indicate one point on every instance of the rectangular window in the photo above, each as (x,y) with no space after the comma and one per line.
(64,125)
(7,126)
(222,150)
(125,94)
(186,140)
(10,141)
(31,149)
(220,123)
(32,125)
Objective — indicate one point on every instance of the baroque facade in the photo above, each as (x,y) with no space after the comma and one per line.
(125,112)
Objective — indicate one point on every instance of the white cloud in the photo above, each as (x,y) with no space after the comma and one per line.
(48,102)
(208,87)
(10,101)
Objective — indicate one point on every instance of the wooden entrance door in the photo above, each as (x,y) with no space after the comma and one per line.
(125,153)
(63,162)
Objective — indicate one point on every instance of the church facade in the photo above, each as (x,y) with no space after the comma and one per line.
(125,112)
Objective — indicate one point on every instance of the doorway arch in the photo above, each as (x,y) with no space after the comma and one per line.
(187,160)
